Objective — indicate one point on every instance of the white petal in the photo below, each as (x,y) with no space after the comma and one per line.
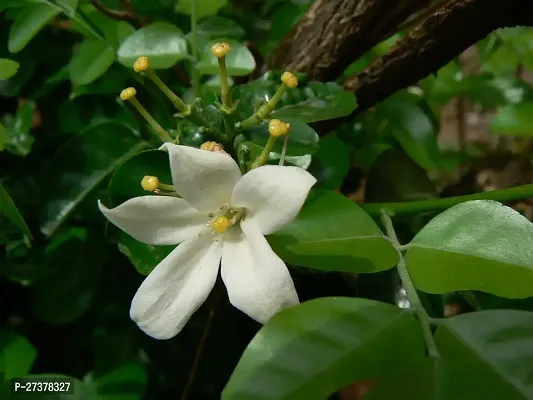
(157,219)
(205,179)
(257,280)
(272,195)
(176,288)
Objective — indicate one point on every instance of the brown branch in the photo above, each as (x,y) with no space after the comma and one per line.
(445,34)
(128,14)
(333,33)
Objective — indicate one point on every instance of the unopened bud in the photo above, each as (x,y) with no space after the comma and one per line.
(289,79)
(220,50)
(142,64)
(278,128)
(150,183)
(220,224)
(212,146)
(127,93)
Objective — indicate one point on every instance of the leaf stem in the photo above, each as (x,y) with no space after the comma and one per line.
(194,45)
(410,289)
(413,207)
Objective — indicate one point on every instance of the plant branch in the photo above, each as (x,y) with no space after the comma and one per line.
(413,207)
(410,289)
(121,15)
(194,45)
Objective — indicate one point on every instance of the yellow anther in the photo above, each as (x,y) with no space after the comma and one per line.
(289,79)
(278,128)
(142,64)
(150,183)
(220,224)
(127,94)
(212,146)
(220,50)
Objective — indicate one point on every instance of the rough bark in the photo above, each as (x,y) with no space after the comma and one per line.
(333,33)
(442,36)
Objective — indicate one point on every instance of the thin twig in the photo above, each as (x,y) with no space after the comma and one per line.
(121,15)
(201,343)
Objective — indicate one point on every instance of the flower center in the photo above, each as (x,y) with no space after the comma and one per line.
(225,218)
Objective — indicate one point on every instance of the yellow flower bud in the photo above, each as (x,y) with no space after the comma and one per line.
(127,93)
(212,146)
(289,79)
(220,224)
(278,128)
(220,50)
(150,183)
(142,64)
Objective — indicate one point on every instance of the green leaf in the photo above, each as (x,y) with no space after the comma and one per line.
(8,68)
(239,61)
(17,139)
(28,23)
(91,156)
(302,138)
(331,163)
(204,8)
(335,234)
(17,355)
(323,101)
(126,184)
(213,27)
(411,127)
(10,211)
(478,245)
(68,6)
(66,293)
(164,43)
(125,383)
(92,60)
(514,119)
(486,355)
(311,350)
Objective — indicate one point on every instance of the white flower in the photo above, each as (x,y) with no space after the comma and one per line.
(210,184)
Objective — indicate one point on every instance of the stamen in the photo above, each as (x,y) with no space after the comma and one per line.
(220,224)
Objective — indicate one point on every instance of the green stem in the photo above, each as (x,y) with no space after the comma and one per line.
(227,101)
(263,158)
(194,45)
(263,111)
(174,99)
(410,289)
(163,134)
(413,207)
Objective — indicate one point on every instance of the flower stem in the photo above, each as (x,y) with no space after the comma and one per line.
(263,158)
(194,45)
(413,207)
(263,111)
(174,99)
(410,289)
(227,101)
(163,134)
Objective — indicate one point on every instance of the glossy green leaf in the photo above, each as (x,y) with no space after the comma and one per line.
(164,43)
(309,351)
(322,101)
(28,23)
(479,245)
(335,234)
(11,212)
(91,157)
(239,61)
(204,8)
(126,184)
(411,127)
(17,355)
(213,27)
(486,355)
(66,292)
(68,6)
(8,68)
(92,60)
(514,119)
(330,163)
(16,136)
(302,138)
